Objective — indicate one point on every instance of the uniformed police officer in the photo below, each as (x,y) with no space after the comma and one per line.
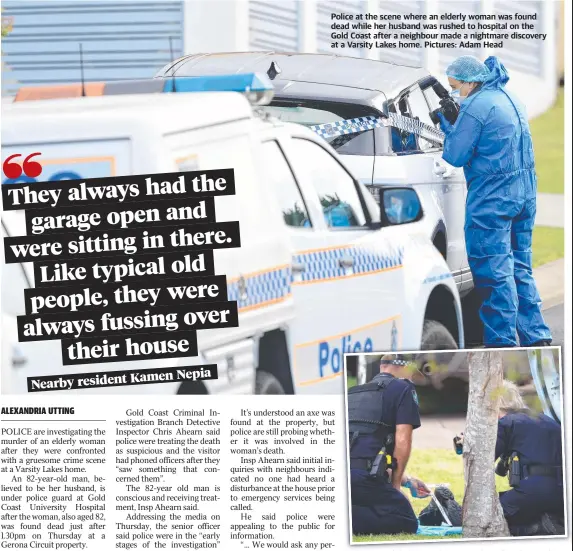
(382,415)
(529,448)
(534,505)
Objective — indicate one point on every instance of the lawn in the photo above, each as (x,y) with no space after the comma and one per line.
(547,131)
(548,244)
(433,467)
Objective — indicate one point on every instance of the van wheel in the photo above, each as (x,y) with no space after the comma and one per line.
(265,383)
(435,336)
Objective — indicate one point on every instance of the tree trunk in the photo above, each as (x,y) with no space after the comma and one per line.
(482,512)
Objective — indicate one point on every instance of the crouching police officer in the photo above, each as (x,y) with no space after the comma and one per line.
(529,450)
(382,415)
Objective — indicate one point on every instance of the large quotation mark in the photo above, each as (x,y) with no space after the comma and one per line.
(13,170)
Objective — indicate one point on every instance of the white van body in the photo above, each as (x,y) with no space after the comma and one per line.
(305,295)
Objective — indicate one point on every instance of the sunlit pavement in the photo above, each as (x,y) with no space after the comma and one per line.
(550,279)
(550,210)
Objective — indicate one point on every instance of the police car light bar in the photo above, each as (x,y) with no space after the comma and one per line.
(257,87)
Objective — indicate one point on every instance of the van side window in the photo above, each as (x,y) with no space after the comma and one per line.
(336,189)
(276,171)
(403,142)
(420,110)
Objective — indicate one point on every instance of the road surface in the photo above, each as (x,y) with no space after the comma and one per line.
(555,318)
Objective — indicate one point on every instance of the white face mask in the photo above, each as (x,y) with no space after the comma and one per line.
(455,95)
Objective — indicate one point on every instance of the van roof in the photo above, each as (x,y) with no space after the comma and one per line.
(169,113)
(349,75)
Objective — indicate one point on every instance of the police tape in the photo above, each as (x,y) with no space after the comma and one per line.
(333,130)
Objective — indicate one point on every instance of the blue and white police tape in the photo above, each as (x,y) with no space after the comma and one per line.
(331,130)
(348,126)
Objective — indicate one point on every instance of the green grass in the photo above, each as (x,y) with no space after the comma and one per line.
(433,467)
(548,131)
(548,244)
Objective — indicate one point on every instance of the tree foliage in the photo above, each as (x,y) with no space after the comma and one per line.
(7,24)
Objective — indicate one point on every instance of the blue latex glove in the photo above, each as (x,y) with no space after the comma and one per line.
(417,488)
(444,123)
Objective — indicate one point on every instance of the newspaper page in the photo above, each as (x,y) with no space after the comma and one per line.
(285,274)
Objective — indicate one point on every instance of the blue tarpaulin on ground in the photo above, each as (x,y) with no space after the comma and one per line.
(439,531)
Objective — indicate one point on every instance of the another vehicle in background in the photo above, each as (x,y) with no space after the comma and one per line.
(321,89)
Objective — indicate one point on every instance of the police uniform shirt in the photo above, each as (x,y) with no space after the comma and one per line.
(378,507)
(400,405)
(537,442)
(536,439)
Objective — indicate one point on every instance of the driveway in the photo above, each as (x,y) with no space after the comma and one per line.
(438,431)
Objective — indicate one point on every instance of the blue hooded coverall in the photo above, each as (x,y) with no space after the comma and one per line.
(537,441)
(492,141)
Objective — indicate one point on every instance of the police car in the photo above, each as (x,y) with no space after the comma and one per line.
(323,268)
(345,99)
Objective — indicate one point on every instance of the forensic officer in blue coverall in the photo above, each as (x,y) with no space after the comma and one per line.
(492,141)
(529,448)
(382,415)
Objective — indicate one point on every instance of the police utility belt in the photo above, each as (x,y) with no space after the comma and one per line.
(377,467)
(516,471)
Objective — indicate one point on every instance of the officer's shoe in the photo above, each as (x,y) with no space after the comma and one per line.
(533,529)
(544,342)
(551,525)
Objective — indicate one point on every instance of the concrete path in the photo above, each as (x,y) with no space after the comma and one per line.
(550,210)
(550,279)
(438,431)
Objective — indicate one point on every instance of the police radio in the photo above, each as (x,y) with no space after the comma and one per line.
(384,460)
(510,466)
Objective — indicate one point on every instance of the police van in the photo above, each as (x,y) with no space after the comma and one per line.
(323,268)
(377,116)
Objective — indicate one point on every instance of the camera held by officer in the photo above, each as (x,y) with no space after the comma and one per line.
(449,108)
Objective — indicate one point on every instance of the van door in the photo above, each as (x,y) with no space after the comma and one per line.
(349,290)
(447,181)
(258,273)
(301,216)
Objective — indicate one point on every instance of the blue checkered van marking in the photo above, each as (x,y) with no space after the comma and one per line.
(261,288)
(440,277)
(322,264)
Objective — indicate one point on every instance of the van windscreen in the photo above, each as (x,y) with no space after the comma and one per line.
(312,112)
